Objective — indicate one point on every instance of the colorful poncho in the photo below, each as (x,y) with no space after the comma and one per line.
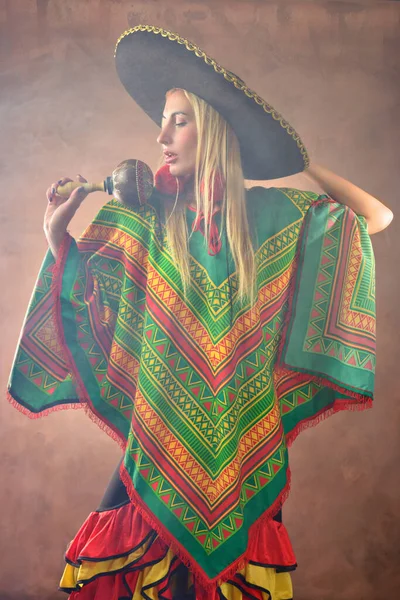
(205,394)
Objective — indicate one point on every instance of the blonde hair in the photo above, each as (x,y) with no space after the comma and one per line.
(217,151)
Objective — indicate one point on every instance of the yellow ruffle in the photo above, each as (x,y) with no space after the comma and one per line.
(277,586)
(152,574)
(74,577)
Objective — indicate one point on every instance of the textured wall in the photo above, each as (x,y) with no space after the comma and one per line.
(332,69)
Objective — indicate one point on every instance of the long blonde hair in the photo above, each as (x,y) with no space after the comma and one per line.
(217,151)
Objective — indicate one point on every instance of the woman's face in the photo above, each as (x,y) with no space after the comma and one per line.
(178,135)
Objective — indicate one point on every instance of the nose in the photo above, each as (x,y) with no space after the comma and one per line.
(164,138)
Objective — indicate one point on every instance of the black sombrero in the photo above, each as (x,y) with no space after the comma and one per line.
(150,61)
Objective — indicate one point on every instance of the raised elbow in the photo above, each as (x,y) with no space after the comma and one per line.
(380,221)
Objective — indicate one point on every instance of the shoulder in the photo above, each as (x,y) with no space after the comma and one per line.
(282,198)
(272,210)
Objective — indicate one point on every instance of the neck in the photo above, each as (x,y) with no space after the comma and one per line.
(189,198)
(186,185)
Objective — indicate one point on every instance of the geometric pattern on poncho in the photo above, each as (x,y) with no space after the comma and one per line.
(355,313)
(205,407)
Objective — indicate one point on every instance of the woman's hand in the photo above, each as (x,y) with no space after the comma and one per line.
(60,211)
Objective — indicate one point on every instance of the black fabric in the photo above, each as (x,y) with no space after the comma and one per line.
(181,584)
(115,494)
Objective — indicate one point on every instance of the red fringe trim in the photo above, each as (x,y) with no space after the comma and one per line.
(324,414)
(32,415)
(207,586)
(83,396)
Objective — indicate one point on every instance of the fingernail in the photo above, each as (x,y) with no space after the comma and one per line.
(59,181)
(50,199)
(53,190)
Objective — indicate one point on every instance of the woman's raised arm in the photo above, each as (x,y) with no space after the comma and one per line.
(377,215)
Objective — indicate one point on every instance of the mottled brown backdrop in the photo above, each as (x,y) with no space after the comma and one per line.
(333,70)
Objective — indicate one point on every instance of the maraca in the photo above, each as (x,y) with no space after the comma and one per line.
(131,183)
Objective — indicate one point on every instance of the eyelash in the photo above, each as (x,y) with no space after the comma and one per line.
(180,124)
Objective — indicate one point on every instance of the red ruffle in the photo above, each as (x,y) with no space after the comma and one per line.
(272,545)
(117,532)
(108,534)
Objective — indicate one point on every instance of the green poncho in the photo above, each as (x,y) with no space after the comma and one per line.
(205,401)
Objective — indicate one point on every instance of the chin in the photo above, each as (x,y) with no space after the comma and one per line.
(177,171)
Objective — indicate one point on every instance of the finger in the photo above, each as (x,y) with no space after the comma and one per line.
(72,203)
(67,209)
(63,181)
(51,208)
(52,190)
(77,196)
(52,196)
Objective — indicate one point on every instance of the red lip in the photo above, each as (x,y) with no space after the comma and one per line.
(170,157)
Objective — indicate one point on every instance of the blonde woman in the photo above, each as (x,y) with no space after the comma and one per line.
(203,331)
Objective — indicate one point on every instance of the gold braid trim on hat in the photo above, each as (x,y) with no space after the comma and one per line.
(238,83)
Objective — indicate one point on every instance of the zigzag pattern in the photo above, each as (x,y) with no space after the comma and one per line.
(211,532)
(349,315)
(330,312)
(206,403)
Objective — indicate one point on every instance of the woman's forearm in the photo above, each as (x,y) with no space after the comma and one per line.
(377,215)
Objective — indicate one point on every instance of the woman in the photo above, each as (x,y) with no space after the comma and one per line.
(203,331)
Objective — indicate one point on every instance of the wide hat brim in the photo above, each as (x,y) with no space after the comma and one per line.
(150,61)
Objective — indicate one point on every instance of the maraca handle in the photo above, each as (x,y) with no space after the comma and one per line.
(65,190)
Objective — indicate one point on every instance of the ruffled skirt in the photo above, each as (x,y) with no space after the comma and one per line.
(116,555)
